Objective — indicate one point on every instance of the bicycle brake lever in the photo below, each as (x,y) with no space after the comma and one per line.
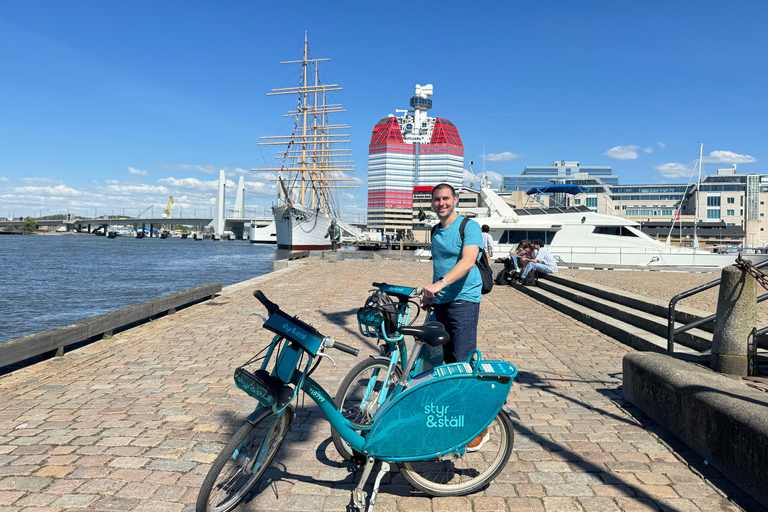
(323,354)
(258,315)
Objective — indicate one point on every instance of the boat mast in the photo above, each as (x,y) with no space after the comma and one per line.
(698,187)
(313,163)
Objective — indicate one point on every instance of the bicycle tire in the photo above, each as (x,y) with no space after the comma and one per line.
(226,474)
(349,398)
(469,472)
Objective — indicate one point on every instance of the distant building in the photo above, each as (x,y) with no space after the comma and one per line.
(541,176)
(413,150)
(732,207)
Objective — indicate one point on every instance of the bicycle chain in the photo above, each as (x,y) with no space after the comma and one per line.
(747,266)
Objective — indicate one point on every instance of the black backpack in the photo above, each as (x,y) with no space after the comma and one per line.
(532,279)
(486,273)
(379,308)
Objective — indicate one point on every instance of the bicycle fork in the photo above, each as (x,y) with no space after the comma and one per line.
(358,495)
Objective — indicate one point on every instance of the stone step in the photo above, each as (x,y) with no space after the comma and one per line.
(696,339)
(636,337)
(657,307)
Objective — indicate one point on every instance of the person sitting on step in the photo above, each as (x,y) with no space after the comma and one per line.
(543,262)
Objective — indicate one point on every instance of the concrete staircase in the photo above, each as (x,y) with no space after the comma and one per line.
(638,321)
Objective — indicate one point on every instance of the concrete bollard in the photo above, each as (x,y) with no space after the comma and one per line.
(733,344)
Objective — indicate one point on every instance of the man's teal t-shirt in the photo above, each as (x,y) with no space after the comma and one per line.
(446,252)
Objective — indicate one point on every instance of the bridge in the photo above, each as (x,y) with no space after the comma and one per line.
(90,225)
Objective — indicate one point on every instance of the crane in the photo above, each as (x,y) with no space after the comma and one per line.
(167,211)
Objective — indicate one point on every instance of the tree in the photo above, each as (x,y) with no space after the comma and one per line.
(30,225)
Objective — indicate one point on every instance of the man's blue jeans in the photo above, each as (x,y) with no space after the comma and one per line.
(460,321)
(538,267)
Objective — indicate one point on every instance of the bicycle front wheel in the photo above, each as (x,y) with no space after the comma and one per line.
(466,473)
(242,462)
(358,399)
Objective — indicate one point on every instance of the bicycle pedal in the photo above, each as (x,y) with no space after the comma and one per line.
(359,499)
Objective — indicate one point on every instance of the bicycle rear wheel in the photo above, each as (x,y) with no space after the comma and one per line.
(242,462)
(357,400)
(466,473)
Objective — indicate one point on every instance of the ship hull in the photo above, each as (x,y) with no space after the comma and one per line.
(263,235)
(301,229)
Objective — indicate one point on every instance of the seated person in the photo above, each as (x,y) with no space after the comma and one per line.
(542,261)
(515,255)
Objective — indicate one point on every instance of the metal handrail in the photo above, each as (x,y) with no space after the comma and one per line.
(672,332)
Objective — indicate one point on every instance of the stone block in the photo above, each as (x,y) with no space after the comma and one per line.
(719,418)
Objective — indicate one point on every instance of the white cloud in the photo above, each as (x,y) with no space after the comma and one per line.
(190,184)
(674,170)
(3,178)
(58,190)
(133,188)
(623,152)
(728,157)
(648,150)
(501,157)
(494,178)
(137,172)
(661,145)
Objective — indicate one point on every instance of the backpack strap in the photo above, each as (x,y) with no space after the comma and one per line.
(464,221)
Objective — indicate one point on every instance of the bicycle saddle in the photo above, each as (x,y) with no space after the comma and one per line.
(432,333)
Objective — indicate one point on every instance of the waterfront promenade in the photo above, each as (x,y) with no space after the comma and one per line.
(133,422)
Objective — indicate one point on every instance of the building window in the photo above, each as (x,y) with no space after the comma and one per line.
(577,201)
(742,201)
(731,200)
(591,202)
(729,212)
(713,200)
(713,214)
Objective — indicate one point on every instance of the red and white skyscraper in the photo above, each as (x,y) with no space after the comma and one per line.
(413,150)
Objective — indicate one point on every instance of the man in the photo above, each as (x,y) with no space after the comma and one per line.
(335,233)
(457,284)
(487,243)
(543,261)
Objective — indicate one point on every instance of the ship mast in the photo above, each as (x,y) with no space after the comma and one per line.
(698,187)
(306,170)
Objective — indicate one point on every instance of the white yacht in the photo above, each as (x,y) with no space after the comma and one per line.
(577,235)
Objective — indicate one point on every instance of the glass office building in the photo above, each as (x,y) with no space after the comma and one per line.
(541,176)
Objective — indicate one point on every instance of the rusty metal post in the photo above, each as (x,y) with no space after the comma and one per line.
(734,348)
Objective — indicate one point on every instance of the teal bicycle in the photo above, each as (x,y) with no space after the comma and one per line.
(367,386)
(424,424)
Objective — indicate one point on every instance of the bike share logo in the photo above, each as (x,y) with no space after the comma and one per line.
(438,417)
(289,329)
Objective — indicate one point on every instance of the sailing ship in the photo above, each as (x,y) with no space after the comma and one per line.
(314,160)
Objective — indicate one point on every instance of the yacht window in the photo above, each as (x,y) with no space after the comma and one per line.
(514,237)
(613,231)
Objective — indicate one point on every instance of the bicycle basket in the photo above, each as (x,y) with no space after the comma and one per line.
(379,312)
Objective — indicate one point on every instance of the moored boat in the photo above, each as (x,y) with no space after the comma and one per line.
(313,162)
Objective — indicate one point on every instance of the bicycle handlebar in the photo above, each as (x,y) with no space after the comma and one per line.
(416,291)
(271,306)
(332,343)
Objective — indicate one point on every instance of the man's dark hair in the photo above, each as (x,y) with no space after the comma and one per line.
(485,228)
(444,185)
(538,242)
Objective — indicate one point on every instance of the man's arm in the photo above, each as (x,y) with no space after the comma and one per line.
(468,259)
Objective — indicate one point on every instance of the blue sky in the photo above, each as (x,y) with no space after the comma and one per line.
(111,107)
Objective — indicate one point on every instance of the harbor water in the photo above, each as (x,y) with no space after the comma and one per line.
(49,281)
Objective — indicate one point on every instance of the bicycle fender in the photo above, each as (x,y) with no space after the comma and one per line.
(262,411)
(381,358)
(510,412)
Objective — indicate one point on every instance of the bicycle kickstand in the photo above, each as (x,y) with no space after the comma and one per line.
(358,495)
(384,469)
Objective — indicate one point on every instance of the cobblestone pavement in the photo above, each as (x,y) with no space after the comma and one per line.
(133,422)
